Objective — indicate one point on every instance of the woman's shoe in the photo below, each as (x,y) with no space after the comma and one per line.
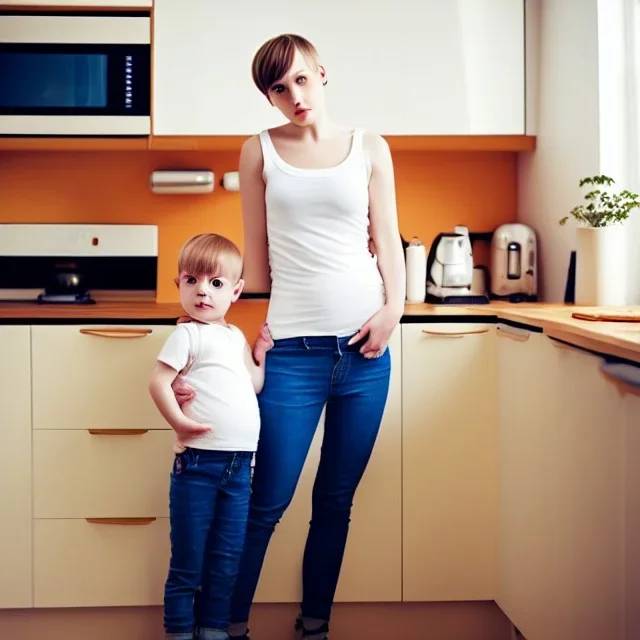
(321,633)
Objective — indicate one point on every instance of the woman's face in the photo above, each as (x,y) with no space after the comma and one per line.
(299,94)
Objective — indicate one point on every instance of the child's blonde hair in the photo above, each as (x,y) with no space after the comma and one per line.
(211,254)
(274,58)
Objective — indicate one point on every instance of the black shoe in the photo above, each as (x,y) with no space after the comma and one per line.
(306,633)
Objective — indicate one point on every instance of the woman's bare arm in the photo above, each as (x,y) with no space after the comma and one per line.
(256,273)
(384,223)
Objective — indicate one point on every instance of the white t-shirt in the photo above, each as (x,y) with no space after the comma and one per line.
(225,398)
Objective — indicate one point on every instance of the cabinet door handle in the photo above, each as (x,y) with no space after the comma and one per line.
(117,432)
(454,334)
(626,377)
(519,335)
(121,521)
(117,333)
(558,344)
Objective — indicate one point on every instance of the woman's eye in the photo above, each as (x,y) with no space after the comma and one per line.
(278,89)
(301,80)
(216,283)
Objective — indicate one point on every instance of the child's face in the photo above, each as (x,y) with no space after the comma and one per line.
(207,297)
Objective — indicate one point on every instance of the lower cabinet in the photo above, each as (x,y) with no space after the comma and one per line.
(102,563)
(372,566)
(15,469)
(562,491)
(449,462)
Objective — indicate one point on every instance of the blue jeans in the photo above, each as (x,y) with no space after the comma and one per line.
(302,374)
(209,502)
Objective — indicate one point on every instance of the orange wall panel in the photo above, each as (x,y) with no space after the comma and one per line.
(435,191)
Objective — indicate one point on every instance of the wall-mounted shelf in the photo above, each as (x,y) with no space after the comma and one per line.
(234,143)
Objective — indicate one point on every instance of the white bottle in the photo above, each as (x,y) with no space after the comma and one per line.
(416,266)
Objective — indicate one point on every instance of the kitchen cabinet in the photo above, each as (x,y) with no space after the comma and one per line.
(80,4)
(104,563)
(562,491)
(528,399)
(95,376)
(449,462)
(371,570)
(407,68)
(15,470)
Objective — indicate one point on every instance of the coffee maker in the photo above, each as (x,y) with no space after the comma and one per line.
(514,265)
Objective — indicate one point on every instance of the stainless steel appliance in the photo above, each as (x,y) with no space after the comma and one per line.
(514,270)
(450,269)
(67,263)
(75,74)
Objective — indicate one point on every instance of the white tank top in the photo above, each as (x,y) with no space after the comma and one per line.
(324,280)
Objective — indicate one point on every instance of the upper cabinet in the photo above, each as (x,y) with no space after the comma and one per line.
(403,68)
(80,4)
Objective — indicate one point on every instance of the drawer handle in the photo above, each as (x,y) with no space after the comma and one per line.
(454,334)
(566,347)
(121,521)
(512,334)
(117,333)
(118,432)
(615,374)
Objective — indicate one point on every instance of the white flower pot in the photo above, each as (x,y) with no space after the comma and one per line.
(601,266)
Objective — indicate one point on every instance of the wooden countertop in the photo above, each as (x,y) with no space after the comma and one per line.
(621,339)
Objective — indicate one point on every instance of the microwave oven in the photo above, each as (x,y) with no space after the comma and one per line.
(75,74)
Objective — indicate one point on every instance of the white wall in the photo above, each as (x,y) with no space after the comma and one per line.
(579,109)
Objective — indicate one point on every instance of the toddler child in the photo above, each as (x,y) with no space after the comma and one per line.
(216,436)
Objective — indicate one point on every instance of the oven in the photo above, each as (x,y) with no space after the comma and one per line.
(75,74)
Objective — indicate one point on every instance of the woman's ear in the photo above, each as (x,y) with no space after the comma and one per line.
(323,74)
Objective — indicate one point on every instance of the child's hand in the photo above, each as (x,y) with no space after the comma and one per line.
(263,344)
(188,428)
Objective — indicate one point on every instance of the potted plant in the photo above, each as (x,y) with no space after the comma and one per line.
(601,264)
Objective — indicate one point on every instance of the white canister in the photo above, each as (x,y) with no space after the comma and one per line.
(416,266)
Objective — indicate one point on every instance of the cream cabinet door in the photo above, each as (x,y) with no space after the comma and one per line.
(77,474)
(80,4)
(405,68)
(371,570)
(95,376)
(15,470)
(531,527)
(626,377)
(80,563)
(449,462)
(588,472)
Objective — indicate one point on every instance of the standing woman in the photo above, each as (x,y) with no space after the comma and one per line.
(314,195)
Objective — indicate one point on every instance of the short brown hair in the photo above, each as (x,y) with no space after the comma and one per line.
(274,58)
(210,253)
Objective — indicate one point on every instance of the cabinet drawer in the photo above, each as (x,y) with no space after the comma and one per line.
(78,474)
(83,564)
(95,376)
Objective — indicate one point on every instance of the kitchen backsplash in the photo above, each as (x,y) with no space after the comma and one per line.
(435,192)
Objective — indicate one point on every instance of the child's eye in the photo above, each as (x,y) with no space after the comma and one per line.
(216,283)
(190,280)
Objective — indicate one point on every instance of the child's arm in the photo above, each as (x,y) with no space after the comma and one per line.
(163,396)
(255,359)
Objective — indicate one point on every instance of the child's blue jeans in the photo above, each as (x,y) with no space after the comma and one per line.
(208,503)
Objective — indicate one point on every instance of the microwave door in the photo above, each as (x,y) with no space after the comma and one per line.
(74,87)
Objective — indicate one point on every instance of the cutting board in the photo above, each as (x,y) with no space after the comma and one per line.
(620,315)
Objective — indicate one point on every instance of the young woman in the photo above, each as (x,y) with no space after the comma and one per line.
(315,197)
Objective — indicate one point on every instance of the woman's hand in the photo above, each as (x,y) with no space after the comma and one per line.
(378,329)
